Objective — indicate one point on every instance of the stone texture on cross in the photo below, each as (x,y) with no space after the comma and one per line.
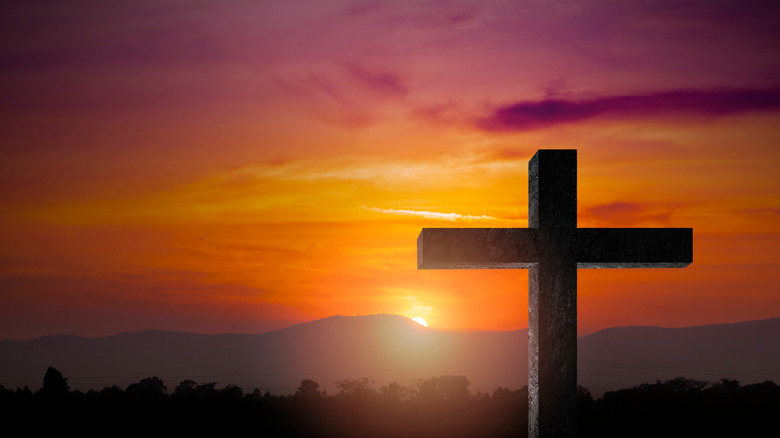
(552,248)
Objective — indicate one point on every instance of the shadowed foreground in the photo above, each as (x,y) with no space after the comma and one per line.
(436,407)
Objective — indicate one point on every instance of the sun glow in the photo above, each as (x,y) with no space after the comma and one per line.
(420,321)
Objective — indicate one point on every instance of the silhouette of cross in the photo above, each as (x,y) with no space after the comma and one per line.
(553,248)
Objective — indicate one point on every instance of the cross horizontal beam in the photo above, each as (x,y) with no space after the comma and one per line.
(517,248)
(634,247)
(477,248)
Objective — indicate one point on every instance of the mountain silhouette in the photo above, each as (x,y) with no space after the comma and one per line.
(621,357)
(389,348)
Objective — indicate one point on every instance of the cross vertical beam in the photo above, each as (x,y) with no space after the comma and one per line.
(552,295)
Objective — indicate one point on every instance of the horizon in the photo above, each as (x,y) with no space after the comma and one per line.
(386,348)
(245,168)
(579,335)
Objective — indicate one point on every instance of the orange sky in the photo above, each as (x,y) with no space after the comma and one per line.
(240,167)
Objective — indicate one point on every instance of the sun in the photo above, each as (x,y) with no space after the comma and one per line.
(420,321)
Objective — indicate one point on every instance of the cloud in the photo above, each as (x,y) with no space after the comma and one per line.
(429,214)
(343,94)
(510,154)
(628,213)
(762,211)
(528,115)
(384,82)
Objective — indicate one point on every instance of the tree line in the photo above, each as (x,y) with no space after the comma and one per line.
(439,406)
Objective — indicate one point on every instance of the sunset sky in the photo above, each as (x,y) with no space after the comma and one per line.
(241,166)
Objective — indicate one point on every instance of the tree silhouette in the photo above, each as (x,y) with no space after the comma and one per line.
(447,387)
(355,389)
(185,389)
(356,397)
(151,386)
(231,392)
(441,406)
(308,389)
(206,390)
(394,393)
(54,383)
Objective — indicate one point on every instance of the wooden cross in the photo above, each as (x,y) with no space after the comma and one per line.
(553,248)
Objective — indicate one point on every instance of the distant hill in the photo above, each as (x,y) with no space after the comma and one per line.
(389,348)
(622,357)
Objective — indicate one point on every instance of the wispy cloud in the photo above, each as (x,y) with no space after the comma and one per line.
(377,168)
(629,213)
(774,211)
(381,81)
(430,214)
(528,115)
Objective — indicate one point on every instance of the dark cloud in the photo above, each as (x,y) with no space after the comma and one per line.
(529,115)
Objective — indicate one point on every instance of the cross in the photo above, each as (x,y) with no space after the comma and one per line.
(552,248)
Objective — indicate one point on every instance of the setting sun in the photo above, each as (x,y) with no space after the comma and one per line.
(420,321)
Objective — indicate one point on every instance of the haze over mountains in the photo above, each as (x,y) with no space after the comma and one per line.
(390,348)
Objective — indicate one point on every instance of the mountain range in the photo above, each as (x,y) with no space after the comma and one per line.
(388,348)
